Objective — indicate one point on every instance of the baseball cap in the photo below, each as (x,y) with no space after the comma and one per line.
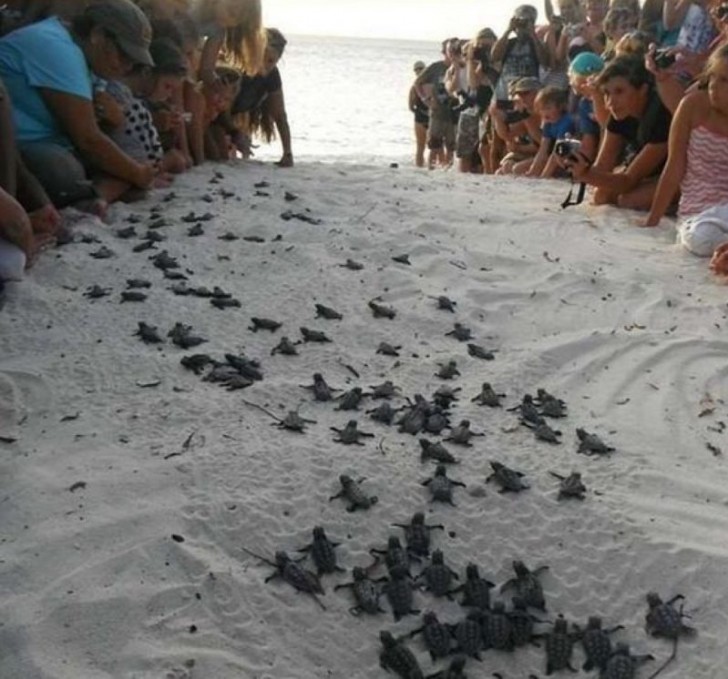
(586,63)
(168,58)
(127,24)
(527,84)
(419,66)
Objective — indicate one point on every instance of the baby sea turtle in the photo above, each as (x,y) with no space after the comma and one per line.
(400,594)
(509,480)
(543,432)
(366,593)
(488,396)
(664,620)
(294,422)
(163,260)
(591,444)
(522,623)
(103,253)
(437,576)
(441,487)
(148,333)
(435,634)
(476,351)
(417,534)
(173,275)
(351,399)
(394,555)
(559,645)
(527,585)
(460,332)
(322,552)
(445,303)
(528,410)
(285,347)
(384,413)
(196,362)
(264,324)
(196,230)
(436,452)
(387,349)
(445,396)
(228,376)
(138,283)
(294,574)
(144,245)
(623,665)
(570,486)
(468,634)
(248,367)
(181,289)
(381,311)
(497,628)
(447,370)
(351,491)
(328,313)
(415,416)
(96,292)
(351,265)
(126,232)
(402,259)
(462,434)
(133,296)
(350,434)
(154,237)
(395,656)
(182,336)
(314,336)
(553,408)
(476,590)
(596,643)
(384,390)
(320,389)
(456,670)
(225,303)
(436,420)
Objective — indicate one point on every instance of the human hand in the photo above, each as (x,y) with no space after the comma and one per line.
(144,175)
(577,164)
(15,224)
(45,220)
(719,260)
(648,222)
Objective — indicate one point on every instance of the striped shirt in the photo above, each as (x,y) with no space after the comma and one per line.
(705,183)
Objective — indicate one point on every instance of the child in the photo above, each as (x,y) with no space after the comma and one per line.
(697,165)
(556,123)
(582,72)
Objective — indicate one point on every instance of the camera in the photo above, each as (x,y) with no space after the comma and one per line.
(567,147)
(663,58)
(481,54)
(722,11)
(573,30)
(520,22)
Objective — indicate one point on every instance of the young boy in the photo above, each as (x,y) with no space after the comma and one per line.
(556,123)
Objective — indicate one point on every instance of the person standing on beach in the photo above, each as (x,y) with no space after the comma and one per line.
(422,117)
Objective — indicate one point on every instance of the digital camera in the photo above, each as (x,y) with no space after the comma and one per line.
(567,147)
(664,59)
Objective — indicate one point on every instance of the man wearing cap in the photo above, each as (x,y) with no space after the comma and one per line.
(48,70)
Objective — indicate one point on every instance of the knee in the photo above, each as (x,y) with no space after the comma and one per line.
(603,197)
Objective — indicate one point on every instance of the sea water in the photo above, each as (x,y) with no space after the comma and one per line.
(347,98)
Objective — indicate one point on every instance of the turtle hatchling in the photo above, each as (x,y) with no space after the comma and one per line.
(445,396)
(395,656)
(314,336)
(322,552)
(417,534)
(415,416)
(445,303)
(623,665)
(320,389)
(437,576)
(509,480)
(138,283)
(527,585)
(163,260)
(383,390)
(103,253)
(394,555)
(456,670)
(401,259)
(570,486)
(350,434)
(294,422)
(296,576)
(435,634)
(436,452)
(352,492)
(383,413)
(285,347)
(264,324)
(476,351)
(96,292)
(468,634)
(596,643)
(528,410)
(460,332)
(441,487)
(400,595)
(328,313)
(196,362)
(462,434)
(543,432)
(351,399)
(448,371)
(366,593)
(664,620)
(248,367)
(521,623)
(148,333)
(591,444)
(553,408)
(225,303)
(497,628)
(559,647)
(381,311)
(133,296)
(436,421)
(387,349)
(352,265)
(182,336)
(476,590)
(126,232)
(488,396)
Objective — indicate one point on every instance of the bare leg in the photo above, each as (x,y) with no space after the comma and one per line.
(639,198)
(420,138)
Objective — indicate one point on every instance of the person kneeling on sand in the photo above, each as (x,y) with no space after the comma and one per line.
(697,166)
(520,128)
(634,148)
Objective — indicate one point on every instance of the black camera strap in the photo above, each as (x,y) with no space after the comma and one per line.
(579,195)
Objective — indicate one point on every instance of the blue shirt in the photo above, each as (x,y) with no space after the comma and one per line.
(587,124)
(558,130)
(42,55)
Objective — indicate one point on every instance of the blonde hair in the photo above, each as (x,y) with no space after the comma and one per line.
(245,43)
(717,55)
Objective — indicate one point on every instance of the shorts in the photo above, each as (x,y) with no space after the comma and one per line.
(468,134)
(441,131)
(701,234)
(59,171)
(422,118)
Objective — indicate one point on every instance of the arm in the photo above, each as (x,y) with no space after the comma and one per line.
(412,99)
(542,52)
(541,158)
(644,164)
(499,49)
(451,81)
(208,59)
(77,120)
(674,170)
(674,12)
(277,106)
(549,9)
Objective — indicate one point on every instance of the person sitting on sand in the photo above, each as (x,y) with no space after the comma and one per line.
(582,72)
(47,70)
(634,148)
(698,165)
(556,123)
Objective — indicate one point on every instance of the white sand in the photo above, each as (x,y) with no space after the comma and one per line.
(615,319)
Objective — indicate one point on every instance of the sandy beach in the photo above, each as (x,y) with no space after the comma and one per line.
(124,507)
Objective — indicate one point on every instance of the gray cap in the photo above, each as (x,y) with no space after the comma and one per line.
(128,24)
(527,84)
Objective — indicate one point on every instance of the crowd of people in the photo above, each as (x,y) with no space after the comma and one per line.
(629,99)
(102,100)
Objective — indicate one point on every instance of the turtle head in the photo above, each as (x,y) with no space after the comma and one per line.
(441,470)
(528,398)
(594,622)
(318,533)
(345,480)
(387,639)
(318,377)
(471,572)
(438,557)
(520,568)
(518,603)
(487,386)
(464,423)
(356,390)
(581,433)
(282,558)
(351,424)
(425,444)
(560,625)
(359,573)
(653,599)
(418,519)
(496,466)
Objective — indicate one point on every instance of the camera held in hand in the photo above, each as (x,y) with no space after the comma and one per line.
(567,148)
(664,58)
(481,54)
